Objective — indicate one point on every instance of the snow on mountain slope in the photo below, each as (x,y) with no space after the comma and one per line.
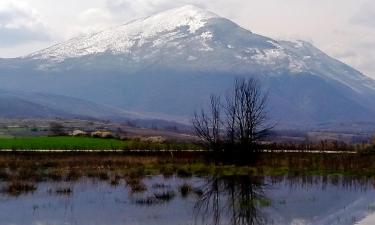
(169,63)
(319,63)
(184,37)
(134,34)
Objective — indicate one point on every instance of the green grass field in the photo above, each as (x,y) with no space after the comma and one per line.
(60,143)
(85,143)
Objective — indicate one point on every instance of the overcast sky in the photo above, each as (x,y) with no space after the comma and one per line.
(344,29)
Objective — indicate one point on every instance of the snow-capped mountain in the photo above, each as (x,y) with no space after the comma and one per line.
(167,64)
(192,34)
(174,24)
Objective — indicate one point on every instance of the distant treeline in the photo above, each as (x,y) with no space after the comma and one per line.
(323,146)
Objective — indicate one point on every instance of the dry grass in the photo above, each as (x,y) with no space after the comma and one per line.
(17,188)
(64,191)
(22,170)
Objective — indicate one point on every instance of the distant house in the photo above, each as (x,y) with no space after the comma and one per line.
(78,133)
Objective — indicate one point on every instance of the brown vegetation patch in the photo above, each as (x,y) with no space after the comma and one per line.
(17,188)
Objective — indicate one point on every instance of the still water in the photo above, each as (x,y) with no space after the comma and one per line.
(194,201)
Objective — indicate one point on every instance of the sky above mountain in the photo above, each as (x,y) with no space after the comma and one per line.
(342,28)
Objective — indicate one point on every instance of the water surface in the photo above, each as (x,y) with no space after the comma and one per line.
(193,200)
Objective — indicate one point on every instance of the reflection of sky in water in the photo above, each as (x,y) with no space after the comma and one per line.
(98,203)
(320,204)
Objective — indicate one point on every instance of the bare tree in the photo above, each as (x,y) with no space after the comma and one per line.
(246,113)
(244,122)
(208,125)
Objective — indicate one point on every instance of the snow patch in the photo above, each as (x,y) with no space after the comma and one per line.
(296,66)
(275,44)
(192,58)
(206,48)
(207,35)
(269,56)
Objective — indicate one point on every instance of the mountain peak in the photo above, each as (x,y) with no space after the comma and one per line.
(121,39)
(188,15)
(191,11)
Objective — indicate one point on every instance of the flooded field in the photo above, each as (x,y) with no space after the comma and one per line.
(111,189)
(160,200)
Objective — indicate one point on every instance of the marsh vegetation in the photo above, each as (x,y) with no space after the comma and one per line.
(158,188)
(114,168)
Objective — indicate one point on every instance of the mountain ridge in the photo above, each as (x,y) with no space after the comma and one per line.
(51,105)
(171,69)
(120,40)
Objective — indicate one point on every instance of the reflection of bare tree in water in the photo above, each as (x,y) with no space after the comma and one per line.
(233,200)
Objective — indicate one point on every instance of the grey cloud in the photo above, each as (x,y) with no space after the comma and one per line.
(21,35)
(360,55)
(131,8)
(19,25)
(365,16)
(366,57)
